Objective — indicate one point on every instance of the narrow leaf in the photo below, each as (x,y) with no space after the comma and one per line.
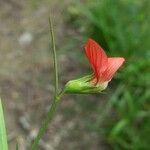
(3,136)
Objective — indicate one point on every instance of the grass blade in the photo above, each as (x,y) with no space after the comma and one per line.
(3,136)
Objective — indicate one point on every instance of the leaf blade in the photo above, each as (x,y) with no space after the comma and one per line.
(3,136)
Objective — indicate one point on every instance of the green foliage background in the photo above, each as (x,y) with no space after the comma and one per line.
(122,28)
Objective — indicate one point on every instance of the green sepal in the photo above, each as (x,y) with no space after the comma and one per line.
(84,86)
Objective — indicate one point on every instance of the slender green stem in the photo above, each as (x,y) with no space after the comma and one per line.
(46,121)
(17,146)
(54,55)
(57,96)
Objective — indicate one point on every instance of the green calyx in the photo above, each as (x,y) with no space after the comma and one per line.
(83,86)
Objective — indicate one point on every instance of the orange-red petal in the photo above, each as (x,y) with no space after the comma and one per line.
(114,64)
(97,57)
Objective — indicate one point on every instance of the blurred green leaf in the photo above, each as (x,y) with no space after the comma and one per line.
(116,130)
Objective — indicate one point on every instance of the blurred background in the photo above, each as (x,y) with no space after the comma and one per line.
(117,119)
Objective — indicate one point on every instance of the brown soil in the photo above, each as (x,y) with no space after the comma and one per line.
(26,78)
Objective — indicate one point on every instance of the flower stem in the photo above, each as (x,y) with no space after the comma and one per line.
(46,121)
(57,96)
(54,55)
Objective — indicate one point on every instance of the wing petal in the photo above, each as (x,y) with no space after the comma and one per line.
(114,64)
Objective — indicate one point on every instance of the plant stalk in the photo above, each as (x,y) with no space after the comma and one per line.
(45,124)
(57,96)
(54,56)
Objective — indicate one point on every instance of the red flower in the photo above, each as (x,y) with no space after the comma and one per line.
(104,67)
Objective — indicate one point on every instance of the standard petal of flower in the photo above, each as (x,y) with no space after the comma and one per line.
(96,56)
(114,64)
